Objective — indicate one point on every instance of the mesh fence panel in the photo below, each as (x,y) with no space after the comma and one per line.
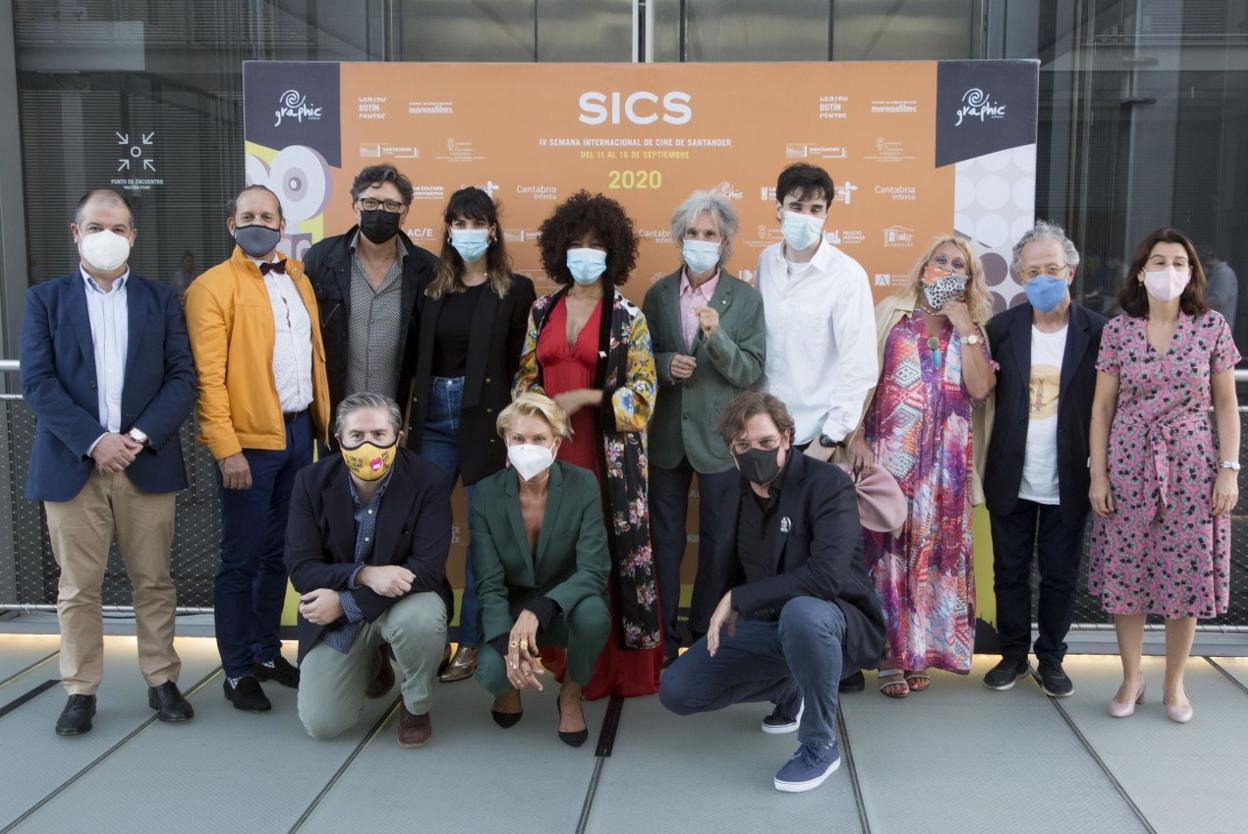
(197,542)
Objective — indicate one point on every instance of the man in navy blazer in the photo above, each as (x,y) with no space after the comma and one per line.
(107,369)
(1036,472)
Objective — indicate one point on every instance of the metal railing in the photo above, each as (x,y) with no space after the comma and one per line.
(28,572)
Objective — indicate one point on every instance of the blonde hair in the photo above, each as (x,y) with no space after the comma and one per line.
(977,298)
(533,404)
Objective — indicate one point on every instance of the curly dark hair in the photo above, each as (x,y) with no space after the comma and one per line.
(609,227)
(1133,297)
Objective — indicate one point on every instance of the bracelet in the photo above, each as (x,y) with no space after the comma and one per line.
(1232,465)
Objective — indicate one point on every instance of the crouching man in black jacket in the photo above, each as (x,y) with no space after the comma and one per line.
(797,606)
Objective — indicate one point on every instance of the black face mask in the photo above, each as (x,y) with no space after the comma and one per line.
(759,466)
(379,225)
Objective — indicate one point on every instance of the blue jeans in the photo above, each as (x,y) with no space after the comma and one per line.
(669,507)
(439,444)
(250,587)
(801,654)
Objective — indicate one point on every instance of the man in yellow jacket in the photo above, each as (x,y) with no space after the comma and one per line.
(263,399)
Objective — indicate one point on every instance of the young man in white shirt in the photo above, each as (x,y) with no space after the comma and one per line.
(821,341)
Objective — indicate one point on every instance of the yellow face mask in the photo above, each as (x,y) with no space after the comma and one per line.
(368,461)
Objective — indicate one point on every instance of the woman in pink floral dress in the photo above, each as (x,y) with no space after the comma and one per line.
(1162,489)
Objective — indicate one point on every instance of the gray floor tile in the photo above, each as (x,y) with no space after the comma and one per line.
(709,772)
(965,758)
(1236,667)
(46,760)
(1186,777)
(18,651)
(473,777)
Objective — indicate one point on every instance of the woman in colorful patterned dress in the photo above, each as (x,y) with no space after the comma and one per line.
(588,348)
(1162,489)
(924,425)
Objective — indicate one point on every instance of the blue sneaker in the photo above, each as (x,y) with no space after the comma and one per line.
(808,769)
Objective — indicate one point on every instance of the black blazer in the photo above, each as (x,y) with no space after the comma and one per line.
(413,530)
(494,348)
(1009,338)
(328,266)
(821,555)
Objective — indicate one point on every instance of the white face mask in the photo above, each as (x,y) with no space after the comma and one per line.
(1166,284)
(530,460)
(105,250)
(801,230)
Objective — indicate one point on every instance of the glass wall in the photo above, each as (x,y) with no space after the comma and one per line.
(1144,103)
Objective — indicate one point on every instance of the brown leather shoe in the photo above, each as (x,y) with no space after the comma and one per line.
(414,730)
(383,681)
(462,666)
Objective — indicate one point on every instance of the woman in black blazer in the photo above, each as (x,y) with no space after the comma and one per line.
(472,318)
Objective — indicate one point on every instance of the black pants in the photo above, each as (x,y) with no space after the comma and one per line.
(669,508)
(1035,528)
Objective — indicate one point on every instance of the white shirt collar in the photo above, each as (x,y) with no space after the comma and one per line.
(92,285)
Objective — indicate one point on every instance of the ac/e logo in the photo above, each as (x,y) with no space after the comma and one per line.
(639,108)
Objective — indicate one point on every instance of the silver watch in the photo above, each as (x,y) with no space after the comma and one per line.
(1232,465)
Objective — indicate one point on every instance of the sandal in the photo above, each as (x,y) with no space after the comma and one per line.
(918,681)
(896,688)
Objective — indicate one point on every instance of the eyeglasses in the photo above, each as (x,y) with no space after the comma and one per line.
(767,444)
(944,262)
(371,204)
(1048,269)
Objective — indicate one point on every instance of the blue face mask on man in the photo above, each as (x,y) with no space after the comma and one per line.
(586,265)
(1045,292)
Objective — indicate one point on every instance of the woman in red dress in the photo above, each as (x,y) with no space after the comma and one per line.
(588,347)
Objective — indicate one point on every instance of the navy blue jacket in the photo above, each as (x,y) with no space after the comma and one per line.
(59,385)
(1009,339)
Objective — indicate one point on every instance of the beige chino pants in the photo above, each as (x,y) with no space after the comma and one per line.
(81,530)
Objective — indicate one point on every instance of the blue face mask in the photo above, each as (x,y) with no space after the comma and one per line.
(470,243)
(700,255)
(1045,292)
(586,265)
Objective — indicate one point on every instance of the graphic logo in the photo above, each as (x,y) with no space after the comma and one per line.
(725,190)
(895,236)
(294,105)
(978,104)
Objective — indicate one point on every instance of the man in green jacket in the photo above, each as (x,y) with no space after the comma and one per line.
(709,332)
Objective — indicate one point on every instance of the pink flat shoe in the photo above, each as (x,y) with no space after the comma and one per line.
(1118,710)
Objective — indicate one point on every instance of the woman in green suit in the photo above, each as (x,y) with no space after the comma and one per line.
(539,551)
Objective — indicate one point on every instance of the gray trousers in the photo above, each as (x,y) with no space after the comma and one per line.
(332,684)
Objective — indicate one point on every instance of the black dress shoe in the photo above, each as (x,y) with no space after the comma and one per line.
(281,671)
(572,739)
(853,683)
(506,719)
(1053,679)
(169,704)
(76,717)
(247,696)
(1002,676)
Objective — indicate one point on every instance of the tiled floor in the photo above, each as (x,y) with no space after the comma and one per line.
(957,758)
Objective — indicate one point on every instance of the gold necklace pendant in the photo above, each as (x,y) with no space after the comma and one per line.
(933,343)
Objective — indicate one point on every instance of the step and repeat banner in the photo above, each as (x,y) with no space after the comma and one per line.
(916,149)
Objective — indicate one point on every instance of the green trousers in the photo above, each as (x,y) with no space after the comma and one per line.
(583,631)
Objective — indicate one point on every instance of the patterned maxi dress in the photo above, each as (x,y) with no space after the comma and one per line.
(919,428)
(1162,552)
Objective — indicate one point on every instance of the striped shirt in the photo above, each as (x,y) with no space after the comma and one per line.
(110,336)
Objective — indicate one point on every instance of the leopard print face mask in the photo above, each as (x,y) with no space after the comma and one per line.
(942,287)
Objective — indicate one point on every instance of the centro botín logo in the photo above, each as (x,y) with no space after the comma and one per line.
(294,105)
(978,104)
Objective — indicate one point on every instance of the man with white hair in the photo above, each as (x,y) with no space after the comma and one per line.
(1036,476)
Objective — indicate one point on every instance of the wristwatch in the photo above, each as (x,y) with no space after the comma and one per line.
(1232,465)
(828,443)
(973,339)
(137,435)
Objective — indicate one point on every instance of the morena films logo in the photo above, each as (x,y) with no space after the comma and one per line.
(979,105)
(294,105)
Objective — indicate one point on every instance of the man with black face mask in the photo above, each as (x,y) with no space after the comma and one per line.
(366,282)
(797,609)
(262,399)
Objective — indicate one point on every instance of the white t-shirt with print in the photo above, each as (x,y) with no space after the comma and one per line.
(1040,460)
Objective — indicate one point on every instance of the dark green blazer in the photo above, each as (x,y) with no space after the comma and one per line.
(687,413)
(572,560)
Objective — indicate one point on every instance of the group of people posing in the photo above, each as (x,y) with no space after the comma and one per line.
(837,450)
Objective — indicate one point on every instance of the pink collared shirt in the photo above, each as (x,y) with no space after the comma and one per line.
(690,299)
